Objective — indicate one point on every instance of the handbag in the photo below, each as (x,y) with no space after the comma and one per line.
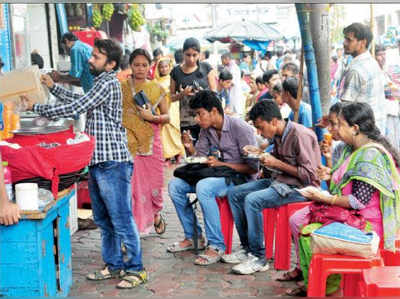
(327,214)
(339,238)
(194,172)
(141,99)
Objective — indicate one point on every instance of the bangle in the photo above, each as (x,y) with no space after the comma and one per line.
(333,199)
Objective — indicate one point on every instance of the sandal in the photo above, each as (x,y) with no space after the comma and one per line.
(205,259)
(177,248)
(297,292)
(103,274)
(295,275)
(133,279)
(161,226)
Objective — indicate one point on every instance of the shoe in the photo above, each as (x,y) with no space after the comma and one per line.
(236,257)
(251,265)
(104,274)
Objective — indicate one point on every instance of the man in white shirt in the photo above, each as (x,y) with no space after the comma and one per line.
(363,80)
(236,95)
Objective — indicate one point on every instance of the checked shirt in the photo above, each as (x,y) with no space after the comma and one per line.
(103,104)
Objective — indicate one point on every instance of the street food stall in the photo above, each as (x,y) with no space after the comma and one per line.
(48,156)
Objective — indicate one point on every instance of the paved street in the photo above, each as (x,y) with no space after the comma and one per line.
(170,274)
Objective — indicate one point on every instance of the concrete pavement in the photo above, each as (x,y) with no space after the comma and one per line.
(170,275)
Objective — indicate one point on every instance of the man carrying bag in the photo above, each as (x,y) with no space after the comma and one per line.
(221,140)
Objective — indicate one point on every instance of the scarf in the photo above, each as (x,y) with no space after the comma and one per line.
(373,165)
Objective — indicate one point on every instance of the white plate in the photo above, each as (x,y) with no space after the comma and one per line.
(192,160)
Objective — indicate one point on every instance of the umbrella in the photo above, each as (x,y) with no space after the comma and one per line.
(243,30)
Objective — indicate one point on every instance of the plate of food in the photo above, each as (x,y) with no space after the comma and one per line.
(192,160)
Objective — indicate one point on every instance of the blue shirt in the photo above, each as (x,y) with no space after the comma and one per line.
(305,116)
(80,54)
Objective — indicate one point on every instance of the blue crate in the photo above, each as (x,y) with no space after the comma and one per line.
(35,255)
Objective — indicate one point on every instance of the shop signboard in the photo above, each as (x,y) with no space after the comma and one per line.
(5,37)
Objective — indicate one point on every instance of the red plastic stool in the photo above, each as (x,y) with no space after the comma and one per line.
(391,258)
(322,265)
(226,222)
(283,241)
(380,281)
(83,195)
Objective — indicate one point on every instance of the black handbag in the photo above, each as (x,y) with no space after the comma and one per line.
(192,173)
(141,99)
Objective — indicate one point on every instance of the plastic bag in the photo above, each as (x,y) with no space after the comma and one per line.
(339,238)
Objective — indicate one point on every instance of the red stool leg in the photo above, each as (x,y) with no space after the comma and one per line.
(269,216)
(282,240)
(316,278)
(226,222)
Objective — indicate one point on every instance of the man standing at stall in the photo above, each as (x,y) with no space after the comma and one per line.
(110,169)
(80,54)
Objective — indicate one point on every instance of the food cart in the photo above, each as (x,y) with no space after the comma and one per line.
(35,254)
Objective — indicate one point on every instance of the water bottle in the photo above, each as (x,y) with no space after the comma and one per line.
(8,181)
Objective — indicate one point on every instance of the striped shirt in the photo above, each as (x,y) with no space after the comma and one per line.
(363,81)
(103,104)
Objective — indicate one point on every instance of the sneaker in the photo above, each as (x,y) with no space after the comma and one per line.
(235,258)
(251,265)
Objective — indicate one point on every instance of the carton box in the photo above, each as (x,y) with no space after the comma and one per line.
(19,82)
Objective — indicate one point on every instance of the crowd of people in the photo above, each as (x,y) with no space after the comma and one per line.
(247,121)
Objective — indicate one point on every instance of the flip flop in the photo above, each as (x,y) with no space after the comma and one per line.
(133,279)
(161,226)
(288,277)
(207,260)
(176,248)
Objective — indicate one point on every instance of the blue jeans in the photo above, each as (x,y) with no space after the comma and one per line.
(206,190)
(111,197)
(247,202)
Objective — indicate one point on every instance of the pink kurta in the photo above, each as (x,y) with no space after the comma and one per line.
(147,183)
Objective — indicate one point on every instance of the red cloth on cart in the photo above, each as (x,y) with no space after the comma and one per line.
(33,160)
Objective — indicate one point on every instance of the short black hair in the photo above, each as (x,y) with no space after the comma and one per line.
(268,55)
(111,49)
(139,52)
(191,43)
(291,85)
(259,80)
(125,62)
(36,59)
(157,52)
(291,66)
(265,110)
(206,99)
(277,87)
(207,54)
(68,36)
(268,75)
(225,75)
(178,55)
(360,32)
(336,108)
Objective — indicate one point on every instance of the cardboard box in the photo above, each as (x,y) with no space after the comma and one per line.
(25,81)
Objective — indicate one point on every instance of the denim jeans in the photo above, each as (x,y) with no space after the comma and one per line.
(206,190)
(247,202)
(111,197)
